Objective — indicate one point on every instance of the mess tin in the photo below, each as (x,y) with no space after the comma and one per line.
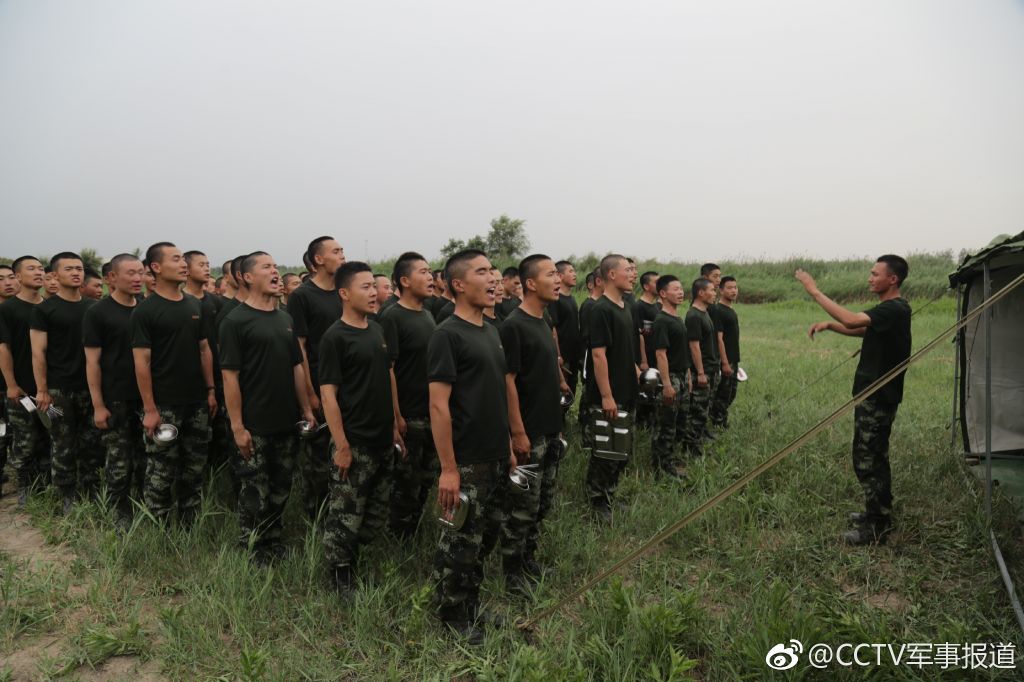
(165,435)
(613,439)
(45,418)
(740,374)
(650,385)
(566,401)
(307,430)
(457,517)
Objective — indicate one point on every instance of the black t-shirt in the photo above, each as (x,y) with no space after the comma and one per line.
(630,300)
(407,333)
(495,322)
(443,309)
(260,345)
(531,355)
(356,361)
(388,302)
(471,359)
(507,305)
(700,328)
(17,317)
(107,326)
(211,306)
(65,355)
(886,344)
(585,307)
(670,333)
(726,321)
(646,312)
(566,316)
(313,310)
(613,328)
(226,306)
(172,331)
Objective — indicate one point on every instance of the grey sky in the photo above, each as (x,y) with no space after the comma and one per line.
(692,129)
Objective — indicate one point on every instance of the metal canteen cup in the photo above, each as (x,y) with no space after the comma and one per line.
(457,517)
(519,478)
(566,401)
(740,374)
(612,439)
(306,431)
(650,385)
(165,435)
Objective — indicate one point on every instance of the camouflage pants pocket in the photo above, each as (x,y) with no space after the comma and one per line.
(724,396)
(526,510)
(358,505)
(123,445)
(697,412)
(671,424)
(30,447)
(315,472)
(77,455)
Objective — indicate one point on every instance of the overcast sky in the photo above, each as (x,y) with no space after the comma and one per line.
(693,129)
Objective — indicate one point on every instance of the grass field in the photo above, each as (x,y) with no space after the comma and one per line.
(763,567)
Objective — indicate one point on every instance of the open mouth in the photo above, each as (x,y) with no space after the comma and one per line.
(275,280)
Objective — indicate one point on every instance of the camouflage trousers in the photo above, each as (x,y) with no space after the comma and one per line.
(174,474)
(5,440)
(872,426)
(603,474)
(126,455)
(221,458)
(697,411)
(357,509)
(30,447)
(459,560)
(725,394)
(77,455)
(315,472)
(265,481)
(526,510)
(671,424)
(413,476)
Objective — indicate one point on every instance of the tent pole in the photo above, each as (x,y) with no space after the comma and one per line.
(956,369)
(987,289)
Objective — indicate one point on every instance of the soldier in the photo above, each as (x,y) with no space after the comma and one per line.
(700,332)
(30,442)
(595,290)
(727,326)
(491,315)
(566,316)
(534,385)
(110,369)
(512,285)
(50,285)
(291,282)
(445,305)
(469,420)
(612,371)
(886,334)
(198,273)
(383,284)
(713,273)
(58,364)
(407,327)
(647,308)
(92,285)
(148,281)
(230,286)
(356,390)
(265,390)
(174,370)
(9,288)
(219,287)
(672,358)
(314,307)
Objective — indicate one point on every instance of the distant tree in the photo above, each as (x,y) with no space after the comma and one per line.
(451,248)
(91,259)
(477,242)
(507,239)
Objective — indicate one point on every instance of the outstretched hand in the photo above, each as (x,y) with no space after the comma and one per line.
(817,327)
(807,281)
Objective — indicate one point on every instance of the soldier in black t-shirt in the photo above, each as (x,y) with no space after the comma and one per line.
(534,385)
(174,370)
(30,443)
(110,368)
(9,288)
(612,370)
(58,364)
(672,358)
(595,290)
(355,387)
(408,326)
(314,307)
(469,420)
(727,327)
(265,390)
(513,288)
(565,314)
(700,332)
(885,330)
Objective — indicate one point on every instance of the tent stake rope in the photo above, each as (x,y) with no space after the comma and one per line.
(781,454)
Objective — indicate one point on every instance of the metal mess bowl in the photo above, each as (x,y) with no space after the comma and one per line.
(307,430)
(650,384)
(45,418)
(457,517)
(3,429)
(165,435)
(520,481)
(567,400)
(740,374)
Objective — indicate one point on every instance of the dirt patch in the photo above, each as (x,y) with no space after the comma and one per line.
(21,541)
(122,668)
(893,602)
(23,664)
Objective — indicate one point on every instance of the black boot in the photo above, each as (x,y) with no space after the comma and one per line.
(466,630)
(600,507)
(868,533)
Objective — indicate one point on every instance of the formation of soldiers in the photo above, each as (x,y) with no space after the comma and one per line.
(367,389)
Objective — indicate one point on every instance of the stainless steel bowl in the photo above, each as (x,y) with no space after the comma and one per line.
(457,517)
(520,482)
(307,430)
(165,435)
(650,384)
(566,400)
(3,429)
